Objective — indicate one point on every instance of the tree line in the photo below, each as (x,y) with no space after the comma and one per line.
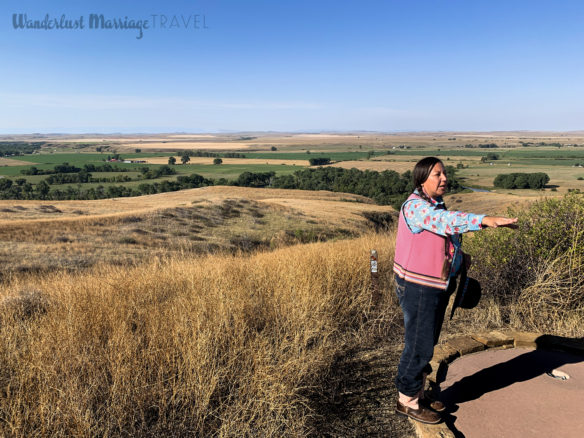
(482,146)
(386,188)
(18,148)
(536,180)
(68,174)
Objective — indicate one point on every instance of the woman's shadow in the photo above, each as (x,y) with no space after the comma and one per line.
(525,367)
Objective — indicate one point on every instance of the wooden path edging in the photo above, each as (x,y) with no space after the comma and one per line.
(459,346)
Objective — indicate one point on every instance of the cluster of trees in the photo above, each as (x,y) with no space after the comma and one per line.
(68,178)
(255,179)
(182,182)
(556,144)
(18,148)
(491,156)
(213,154)
(482,146)
(67,168)
(104,168)
(68,174)
(156,172)
(186,156)
(536,180)
(387,187)
(319,161)
(20,189)
(60,168)
(184,159)
(541,143)
(82,178)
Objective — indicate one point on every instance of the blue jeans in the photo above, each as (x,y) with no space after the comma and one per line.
(423,308)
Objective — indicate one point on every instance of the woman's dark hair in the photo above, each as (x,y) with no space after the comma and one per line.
(422,171)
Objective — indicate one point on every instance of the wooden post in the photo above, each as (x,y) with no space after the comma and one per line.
(374,278)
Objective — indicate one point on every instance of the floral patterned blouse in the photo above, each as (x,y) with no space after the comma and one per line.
(432,216)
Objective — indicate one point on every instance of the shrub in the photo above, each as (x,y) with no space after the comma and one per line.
(128,240)
(380,221)
(549,243)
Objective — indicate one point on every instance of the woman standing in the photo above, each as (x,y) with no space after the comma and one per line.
(428,257)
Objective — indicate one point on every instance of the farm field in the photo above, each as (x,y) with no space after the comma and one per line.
(285,154)
(518,151)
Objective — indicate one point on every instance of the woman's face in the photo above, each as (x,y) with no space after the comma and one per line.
(436,183)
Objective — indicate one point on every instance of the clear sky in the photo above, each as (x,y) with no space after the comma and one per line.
(294,65)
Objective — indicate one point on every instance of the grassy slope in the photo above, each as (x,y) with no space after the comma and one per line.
(236,346)
(281,343)
(38,235)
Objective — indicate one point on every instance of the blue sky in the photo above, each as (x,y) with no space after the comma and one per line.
(295,65)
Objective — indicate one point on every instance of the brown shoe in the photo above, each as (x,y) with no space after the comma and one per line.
(435,405)
(422,414)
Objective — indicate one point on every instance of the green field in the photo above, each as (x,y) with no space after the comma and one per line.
(47,161)
(561,164)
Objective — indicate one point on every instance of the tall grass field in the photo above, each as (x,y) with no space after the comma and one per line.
(244,344)
(205,346)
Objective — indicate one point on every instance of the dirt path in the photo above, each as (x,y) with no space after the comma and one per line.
(361,395)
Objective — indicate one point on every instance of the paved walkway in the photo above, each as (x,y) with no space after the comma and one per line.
(507,394)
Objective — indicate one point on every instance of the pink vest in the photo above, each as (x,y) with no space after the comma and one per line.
(424,258)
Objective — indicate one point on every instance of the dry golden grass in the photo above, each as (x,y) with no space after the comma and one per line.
(11,162)
(23,210)
(397,163)
(554,303)
(37,236)
(378,166)
(487,203)
(222,345)
(208,346)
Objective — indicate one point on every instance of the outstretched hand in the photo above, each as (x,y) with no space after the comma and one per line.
(498,221)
